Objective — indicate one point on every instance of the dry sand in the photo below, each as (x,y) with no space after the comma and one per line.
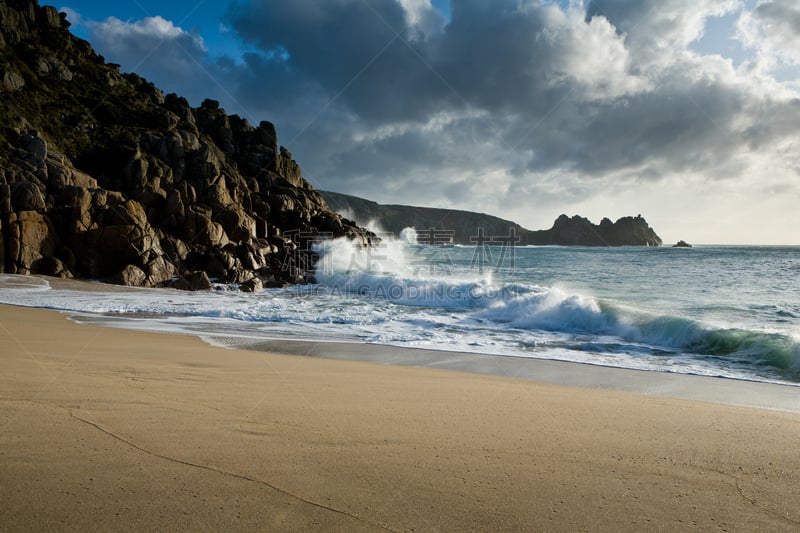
(105,429)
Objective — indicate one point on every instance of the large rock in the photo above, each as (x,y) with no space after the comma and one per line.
(174,249)
(196,281)
(576,231)
(129,213)
(629,231)
(287,167)
(17,21)
(159,271)
(31,237)
(101,252)
(200,229)
(206,164)
(130,275)
(238,225)
(252,285)
(53,266)
(34,147)
(26,196)
(267,136)
(11,81)
(61,174)
(170,148)
(49,17)
(77,204)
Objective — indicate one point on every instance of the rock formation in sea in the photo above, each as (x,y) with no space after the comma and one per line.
(102,176)
(463,227)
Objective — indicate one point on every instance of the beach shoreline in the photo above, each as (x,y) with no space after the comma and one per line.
(717,389)
(130,430)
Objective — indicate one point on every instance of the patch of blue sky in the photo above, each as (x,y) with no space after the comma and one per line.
(786,73)
(719,37)
(443,6)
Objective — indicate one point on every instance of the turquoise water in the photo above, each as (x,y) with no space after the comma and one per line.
(710,310)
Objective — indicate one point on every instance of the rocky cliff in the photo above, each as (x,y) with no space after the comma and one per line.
(102,176)
(465,227)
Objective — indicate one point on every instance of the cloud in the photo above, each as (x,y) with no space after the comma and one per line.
(772,30)
(422,18)
(501,103)
(664,24)
(155,48)
(537,99)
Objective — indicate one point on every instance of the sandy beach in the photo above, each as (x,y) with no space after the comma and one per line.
(107,429)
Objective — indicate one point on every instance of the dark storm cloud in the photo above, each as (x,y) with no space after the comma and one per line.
(547,102)
(498,58)
(504,99)
(682,128)
(362,54)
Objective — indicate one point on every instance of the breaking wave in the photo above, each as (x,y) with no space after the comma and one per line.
(391,274)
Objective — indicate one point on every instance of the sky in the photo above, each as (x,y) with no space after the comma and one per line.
(684,111)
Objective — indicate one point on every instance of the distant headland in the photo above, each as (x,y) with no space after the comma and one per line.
(465,227)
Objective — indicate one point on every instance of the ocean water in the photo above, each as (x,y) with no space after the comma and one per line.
(728,311)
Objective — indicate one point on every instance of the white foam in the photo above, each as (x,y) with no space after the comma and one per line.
(409,236)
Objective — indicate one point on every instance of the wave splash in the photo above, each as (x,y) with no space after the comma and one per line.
(394,274)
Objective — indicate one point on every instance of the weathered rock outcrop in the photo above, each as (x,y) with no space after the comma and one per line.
(102,176)
(464,227)
(580,231)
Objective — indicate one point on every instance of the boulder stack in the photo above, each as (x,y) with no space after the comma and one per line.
(102,176)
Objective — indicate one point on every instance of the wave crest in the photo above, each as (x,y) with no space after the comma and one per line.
(392,276)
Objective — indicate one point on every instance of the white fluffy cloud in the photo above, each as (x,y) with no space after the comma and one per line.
(772,30)
(657,31)
(153,47)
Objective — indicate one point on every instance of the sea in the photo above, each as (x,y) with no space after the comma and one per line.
(727,311)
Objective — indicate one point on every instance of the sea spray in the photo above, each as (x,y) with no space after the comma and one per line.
(338,257)
(396,270)
(409,236)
